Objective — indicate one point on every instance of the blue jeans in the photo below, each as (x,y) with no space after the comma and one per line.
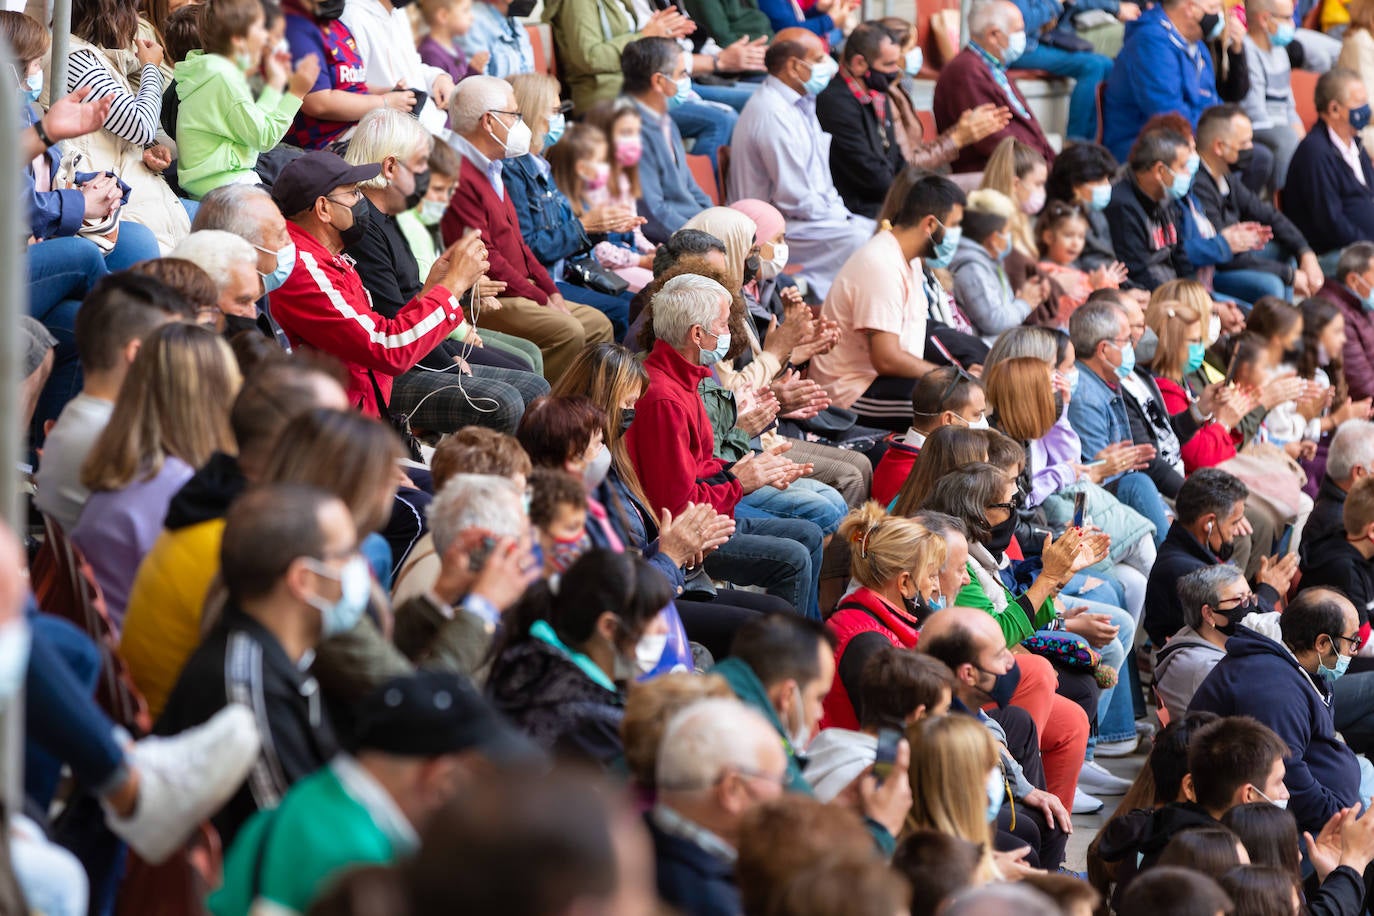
(708,124)
(61,273)
(782,555)
(615,308)
(807,499)
(1087,70)
(1138,491)
(736,96)
(1249,285)
(1352,707)
(1115,710)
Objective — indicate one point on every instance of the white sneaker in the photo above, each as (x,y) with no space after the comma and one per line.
(1083,803)
(1123,748)
(1096,779)
(185,778)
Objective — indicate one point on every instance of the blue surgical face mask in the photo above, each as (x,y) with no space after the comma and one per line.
(1359,117)
(711,357)
(33,86)
(1193,162)
(1102,195)
(1196,351)
(286,262)
(1003,252)
(1285,35)
(914,60)
(996,792)
(1367,300)
(1071,379)
(1342,663)
(557,124)
(684,92)
(1127,361)
(944,249)
(355,586)
(1179,187)
(822,72)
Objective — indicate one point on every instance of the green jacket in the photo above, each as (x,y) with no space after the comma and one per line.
(747,686)
(330,821)
(589,36)
(1015,626)
(220,129)
(731,442)
(727,21)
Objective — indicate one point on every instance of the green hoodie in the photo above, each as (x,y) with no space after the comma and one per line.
(220,129)
(750,691)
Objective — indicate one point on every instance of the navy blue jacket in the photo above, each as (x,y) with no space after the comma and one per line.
(1261,678)
(1180,554)
(52,214)
(1324,199)
(692,880)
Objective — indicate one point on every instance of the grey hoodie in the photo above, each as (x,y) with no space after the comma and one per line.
(1180,668)
(982,290)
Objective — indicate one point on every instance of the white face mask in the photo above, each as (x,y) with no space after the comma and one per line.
(980,423)
(597,468)
(518,138)
(649,650)
(1213,328)
(431,211)
(798,730)
(774,265)
(15,639)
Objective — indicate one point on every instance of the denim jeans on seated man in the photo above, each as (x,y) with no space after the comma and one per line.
(706,126)
(1086,69)
(1352,707)
(781,555)
(806,499)
(1248,286)
(61,272)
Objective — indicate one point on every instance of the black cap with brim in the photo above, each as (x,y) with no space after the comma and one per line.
(314,175)
(432,713)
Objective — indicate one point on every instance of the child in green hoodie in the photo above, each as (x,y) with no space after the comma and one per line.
(220,128)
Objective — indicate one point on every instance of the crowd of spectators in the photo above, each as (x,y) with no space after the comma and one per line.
(720,457)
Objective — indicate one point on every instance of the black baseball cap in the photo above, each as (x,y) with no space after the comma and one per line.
(431,713)
(312,176)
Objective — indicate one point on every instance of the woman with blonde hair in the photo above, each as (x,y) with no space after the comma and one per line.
(897,563)
(171,415)
(553,231)
(1019,172)
(1219,318)
(957,784)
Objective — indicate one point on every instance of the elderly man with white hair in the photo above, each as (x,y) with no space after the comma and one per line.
(232,264)
(1349,458)
(717,760)
(672,447)
(491,395)
(482,537)
(487,128)
(977,76)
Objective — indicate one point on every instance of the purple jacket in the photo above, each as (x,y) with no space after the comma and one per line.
(1359,339)
(1051,460)
(449,59)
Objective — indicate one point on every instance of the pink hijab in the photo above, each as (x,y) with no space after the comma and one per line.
(768,222)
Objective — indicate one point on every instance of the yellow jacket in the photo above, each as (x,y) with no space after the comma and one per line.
(162,623)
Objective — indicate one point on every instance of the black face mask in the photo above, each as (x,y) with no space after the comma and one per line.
(421,188)
(751,268)
(362,215)
(1229,627)
(233,324)
(627,416)
(1004,686)
(1000,537)
(1224,552)
(520,8)
(879,82)
(1208,23)
(1243,159)
(329,10)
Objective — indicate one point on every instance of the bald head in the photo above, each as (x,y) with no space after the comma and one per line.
(971,643)
(792,55)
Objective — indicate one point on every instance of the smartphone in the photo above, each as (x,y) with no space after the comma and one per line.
(1080,502)
(419,94)
(888,738)
(478,557)
(1231,369)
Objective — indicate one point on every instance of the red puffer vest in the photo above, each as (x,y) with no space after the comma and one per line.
(862,611)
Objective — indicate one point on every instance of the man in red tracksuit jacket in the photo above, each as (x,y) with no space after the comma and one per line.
(323,304)
(672,447)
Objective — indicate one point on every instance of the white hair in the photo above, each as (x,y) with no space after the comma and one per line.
(987,14)
(217,253)
(384,132)
(705,738)
(685,302)
(1351,447)
(229,207)
(476,501)
(474,97)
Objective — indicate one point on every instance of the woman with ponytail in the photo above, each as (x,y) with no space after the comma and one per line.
(897,563)
(571,644)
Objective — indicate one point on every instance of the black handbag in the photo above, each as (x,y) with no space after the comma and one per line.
(398,421)
(584,270)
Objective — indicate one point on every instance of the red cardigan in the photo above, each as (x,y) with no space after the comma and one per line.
(966,82)
(1211,445)
(862,611)
(671,443)
(893,469)
(476,205)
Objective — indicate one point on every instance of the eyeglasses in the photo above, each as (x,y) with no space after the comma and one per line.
(1244,601)
(514,114)
(960,378)
(1353,640)
(775,779)
(1018,501)
(357,196)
